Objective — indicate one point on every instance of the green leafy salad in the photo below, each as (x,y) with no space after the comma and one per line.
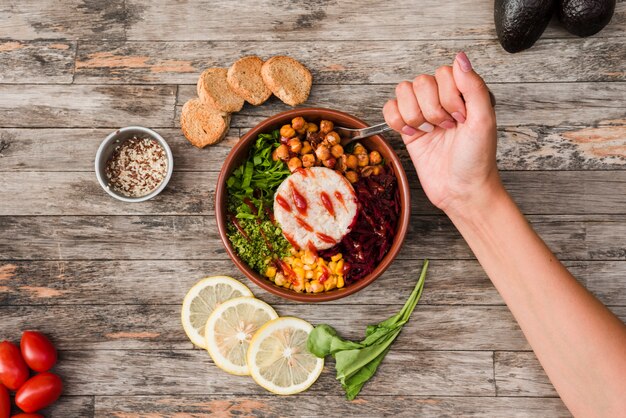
(251,188)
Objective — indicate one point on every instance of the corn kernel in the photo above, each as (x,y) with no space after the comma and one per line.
(340,282)
(339,268)
(331,283)
(279,279)
(332,266)
(270,272)
(293,251)
(299,272)
(308,274)
(316,287)
(336,257)
(309,257)
(297,262)
(288,260)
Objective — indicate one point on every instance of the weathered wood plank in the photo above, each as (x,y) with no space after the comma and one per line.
(432,327)
(325,20)
(70,406)
(191,372)
(69,19)
(318,405)
(589,237)
(520,374)
(342,63)
(193,193)
(543,105)
(86,106)
(449,282)
(37,62)
(519,148)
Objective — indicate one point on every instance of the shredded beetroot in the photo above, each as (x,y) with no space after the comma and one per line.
(370,239)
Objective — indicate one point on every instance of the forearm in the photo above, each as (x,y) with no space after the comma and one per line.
(579,342)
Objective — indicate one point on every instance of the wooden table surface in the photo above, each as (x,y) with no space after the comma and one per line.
(106,279)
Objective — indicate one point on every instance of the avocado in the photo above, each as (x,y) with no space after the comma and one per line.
(585,17)
(519,23)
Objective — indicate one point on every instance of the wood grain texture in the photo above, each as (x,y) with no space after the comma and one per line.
(325,20)
(432,327)
(519,148)
(37,62)
(583,105)
(70,406)
(193,193)
(340,62)
(318,406)
(520,374)
(69,19)
(599,237)
(449,282)
(86,106)
(191,372)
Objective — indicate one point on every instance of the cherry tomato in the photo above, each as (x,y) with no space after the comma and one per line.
(38,392)
(13,370)
(5,402)
(37,351)
(22,415)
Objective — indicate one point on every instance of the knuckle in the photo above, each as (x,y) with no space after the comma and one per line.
(422,80)
(435,114)
(402,86)
(443,71)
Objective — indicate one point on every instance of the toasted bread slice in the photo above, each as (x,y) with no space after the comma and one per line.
(215,92)
(244,78)
(203,125)
(288,79)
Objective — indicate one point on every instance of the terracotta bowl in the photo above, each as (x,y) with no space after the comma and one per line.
(240,152)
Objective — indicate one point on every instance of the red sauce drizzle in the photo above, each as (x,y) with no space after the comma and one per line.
(298,200)
(239,227)
(312,248)
(267,243)
(249,203)
(302,171)
(288,272)
(282,202)
(291,240)
(328,204)
(326,238)
(304,224)
(339,197)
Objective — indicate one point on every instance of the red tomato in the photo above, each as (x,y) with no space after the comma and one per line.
(27,416)
(37,351)
(13,370)
(38,392)
(5,402)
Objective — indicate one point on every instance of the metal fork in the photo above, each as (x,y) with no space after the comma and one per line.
(350,135)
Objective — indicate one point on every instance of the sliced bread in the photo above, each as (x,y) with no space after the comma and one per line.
(203,125)
(288,79)
(213,89)
(244,78)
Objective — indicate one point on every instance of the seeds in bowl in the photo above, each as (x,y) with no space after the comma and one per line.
(137,167)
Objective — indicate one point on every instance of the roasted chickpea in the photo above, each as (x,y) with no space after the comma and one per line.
(367,171)
(287,131)
(326,126)
(341,163)
(306,148)
(282,152)
(375,158)
(352,176)
(298,123)
(337,151)
(333,138)
(294,164)
(376,170)
(352,162)
(359,149)
(294,145)
(362,160)
(311,128)
(308,160)
(322,152)
(274,156)
(330,163)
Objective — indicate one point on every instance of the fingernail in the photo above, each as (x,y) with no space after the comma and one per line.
(447,124)
(458,116)
(426,127)
(409,130)
(464,62)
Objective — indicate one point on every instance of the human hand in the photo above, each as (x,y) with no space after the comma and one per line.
(448,125)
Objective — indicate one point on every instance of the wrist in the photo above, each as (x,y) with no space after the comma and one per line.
(478,203)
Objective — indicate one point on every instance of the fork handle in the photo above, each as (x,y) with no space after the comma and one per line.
(371,130)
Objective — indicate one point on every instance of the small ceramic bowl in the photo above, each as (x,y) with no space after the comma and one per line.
(240,152)
(116,138)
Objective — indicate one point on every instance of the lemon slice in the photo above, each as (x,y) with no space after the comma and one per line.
(203,298)
(230,329)
(279,360)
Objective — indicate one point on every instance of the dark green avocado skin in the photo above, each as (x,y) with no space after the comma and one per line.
(519,23)
(585,17)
